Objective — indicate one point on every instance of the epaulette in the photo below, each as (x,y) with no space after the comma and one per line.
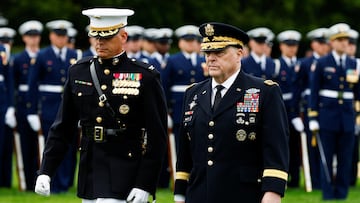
(270,83)
(190,86)
(86,59)
(143,65)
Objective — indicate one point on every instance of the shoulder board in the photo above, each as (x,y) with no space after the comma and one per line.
(85,60)
(142,64)
(190,86)
(270,83)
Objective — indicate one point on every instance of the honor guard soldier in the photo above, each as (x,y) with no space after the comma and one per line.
(334,88)
(46,79)
(6,138)
(163,40)
(319,47)
(269,44)
(71,44)
(182,69)
(22,63)
(134,41)
(6,108)
(148,44)
(258,63)
(121,107)
(91,51)
(234,131)
(289,44)
(351,52)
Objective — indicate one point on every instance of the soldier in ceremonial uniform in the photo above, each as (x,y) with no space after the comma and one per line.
(319,47)
(258,63)
(134,41)
(334,88)
(289,44)
(182,69)
(163,40)
(6,110)
(6,137)
(22,63)
(148,44)
(121,107)
(234,132)
(46,79)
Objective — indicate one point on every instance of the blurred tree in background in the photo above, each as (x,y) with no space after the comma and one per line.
(278,15)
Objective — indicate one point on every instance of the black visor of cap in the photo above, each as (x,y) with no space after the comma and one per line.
(60,31)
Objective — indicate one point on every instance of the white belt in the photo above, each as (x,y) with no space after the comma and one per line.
(51,88)
(1,78)
(306,92)
(287,96)
(336,94)
(23,88)
(179,88)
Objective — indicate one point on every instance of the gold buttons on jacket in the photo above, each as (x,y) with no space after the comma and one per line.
(79,94)
(101,104)
(210,149)
(103,87)
(341,101)
(210,163)
(211,136)
(341,86)
(129,154)
(98,119)
(211,123)
(342,79)
(106,71)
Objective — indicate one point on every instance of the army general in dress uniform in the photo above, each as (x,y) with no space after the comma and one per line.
(122,111)
(233,149)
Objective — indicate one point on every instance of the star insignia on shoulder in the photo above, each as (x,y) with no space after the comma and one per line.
(270,82)
(151,67)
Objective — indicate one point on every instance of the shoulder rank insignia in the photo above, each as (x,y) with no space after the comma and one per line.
(270,83)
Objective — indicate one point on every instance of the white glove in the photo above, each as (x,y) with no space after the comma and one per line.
(42,186)
(314,125)
(170,122)
(10,118)
(138,196)
(34,122)
(298,124)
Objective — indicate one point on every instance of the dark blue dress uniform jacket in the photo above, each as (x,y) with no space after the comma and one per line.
(236,153)
(333,114)
(48,71)
(132,157)
(180,72)
(251,67)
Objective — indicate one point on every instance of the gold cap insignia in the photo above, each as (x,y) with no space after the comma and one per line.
(209,30)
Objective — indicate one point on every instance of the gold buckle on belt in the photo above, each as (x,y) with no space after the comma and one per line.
(98,133)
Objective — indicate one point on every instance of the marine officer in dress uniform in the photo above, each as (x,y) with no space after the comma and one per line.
(182,69)
(134,41)
(319,47)
(6,136)
(234,131)
(334,88)
(121,107)
(22,63)
(258,63)
(47,79)
(289,44)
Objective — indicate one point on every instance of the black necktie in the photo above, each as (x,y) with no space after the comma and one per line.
(217,96)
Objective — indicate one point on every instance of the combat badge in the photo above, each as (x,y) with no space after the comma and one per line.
(252,136)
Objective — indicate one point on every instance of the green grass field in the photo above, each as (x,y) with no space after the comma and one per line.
(13,195)
(163,196)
